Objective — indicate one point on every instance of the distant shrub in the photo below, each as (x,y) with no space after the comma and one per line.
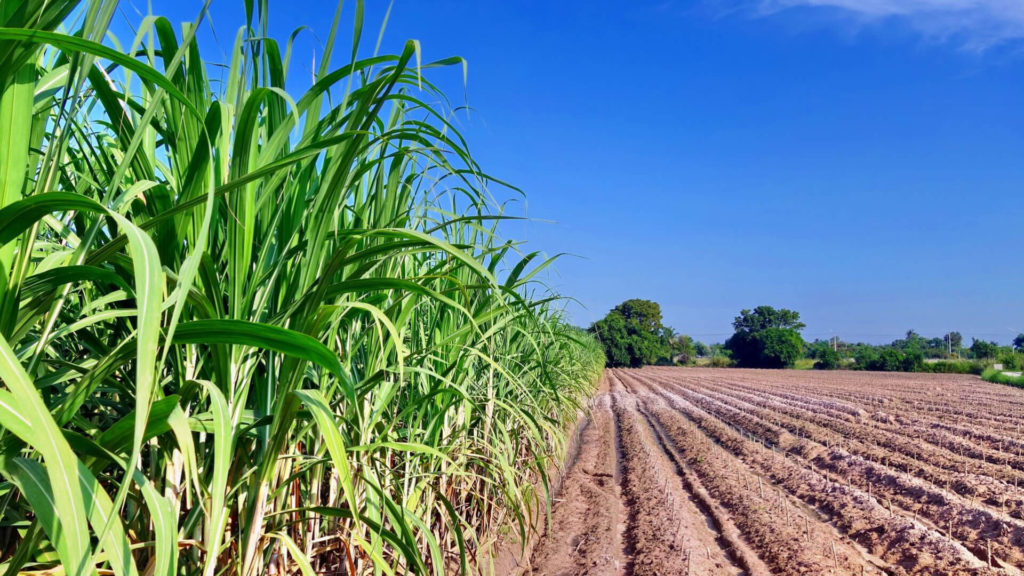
(997,376)
(865,358)
(1011,361)
(828,359)
(954,367)
(891,360)
(720,362)
(913,361)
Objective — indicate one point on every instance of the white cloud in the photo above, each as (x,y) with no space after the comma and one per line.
(976,24)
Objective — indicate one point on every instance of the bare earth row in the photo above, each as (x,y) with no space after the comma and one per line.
(705,471)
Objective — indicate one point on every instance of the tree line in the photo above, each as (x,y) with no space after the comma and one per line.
(633,335)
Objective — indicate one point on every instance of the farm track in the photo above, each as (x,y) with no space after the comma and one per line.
(704,471)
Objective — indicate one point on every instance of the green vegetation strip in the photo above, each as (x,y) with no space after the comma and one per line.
(1003,377)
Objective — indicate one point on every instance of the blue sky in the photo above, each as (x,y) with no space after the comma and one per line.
(860,161)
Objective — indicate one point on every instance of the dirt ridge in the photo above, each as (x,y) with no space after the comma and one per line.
(711,471)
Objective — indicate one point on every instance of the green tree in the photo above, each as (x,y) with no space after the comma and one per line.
(701,349)
(632,334)
(817,349)
(644,314)
(764,317)
(890,360)
(614,337)
(912,341)
(865,357)
(683,349)
(828,359)
(766,337)
(980,349)
(780,347)
(913,360)
(1018,342)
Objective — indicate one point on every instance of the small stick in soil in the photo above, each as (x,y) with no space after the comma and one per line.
(835,559)
(988,545)
(760,489)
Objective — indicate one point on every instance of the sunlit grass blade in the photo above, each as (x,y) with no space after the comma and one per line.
(61,465)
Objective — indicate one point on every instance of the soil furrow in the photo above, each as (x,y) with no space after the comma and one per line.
(909,547)
(979,528)
(665,533)
(784,430)
(757,472)
(583,537)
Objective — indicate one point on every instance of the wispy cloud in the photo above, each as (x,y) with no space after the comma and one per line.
(974,24)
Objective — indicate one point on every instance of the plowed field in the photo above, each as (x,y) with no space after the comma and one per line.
(726,471)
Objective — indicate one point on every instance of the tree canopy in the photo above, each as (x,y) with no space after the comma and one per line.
(983,349)
(766,338)
(632,334)
(827,359)
(765,317)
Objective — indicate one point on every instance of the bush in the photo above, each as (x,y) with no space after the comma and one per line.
(954,367)
(890,360)
(828,359)
(865,358)
(721,362)
(1011,361)
(913,361)
(997,376)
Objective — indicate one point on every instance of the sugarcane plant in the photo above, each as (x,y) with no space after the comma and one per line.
(243,332)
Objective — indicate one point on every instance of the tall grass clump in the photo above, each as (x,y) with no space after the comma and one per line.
(250,332)
(1001,377)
